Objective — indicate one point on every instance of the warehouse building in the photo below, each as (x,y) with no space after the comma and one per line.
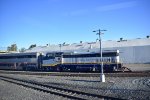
(132,52)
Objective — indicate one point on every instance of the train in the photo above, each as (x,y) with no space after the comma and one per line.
(62,61)
(20,61)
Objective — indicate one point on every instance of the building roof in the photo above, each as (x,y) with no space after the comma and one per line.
(92,45)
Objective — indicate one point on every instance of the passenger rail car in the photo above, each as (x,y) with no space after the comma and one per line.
(20,61)
(82,62)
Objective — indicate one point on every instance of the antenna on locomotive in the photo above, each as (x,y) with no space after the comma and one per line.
(102,76)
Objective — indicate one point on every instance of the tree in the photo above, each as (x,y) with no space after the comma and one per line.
(13,47)
(22,49)
(32,46)
(8,48)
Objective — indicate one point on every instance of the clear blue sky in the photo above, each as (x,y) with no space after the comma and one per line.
(41,22)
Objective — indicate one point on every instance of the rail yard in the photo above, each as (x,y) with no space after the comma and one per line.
(74,50)
(83,86)
(74,72)
(70,75)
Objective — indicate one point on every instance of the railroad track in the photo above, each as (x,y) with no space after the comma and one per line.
(51,89)
(119,74)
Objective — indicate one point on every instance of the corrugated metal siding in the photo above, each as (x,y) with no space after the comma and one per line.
(134,54)
(131,51)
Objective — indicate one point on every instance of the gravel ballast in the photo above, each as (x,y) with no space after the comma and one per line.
(135,88)
(9,91)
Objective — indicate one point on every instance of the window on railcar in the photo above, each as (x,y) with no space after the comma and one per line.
(6,57)
(2,57)
(31,56)
(25,56)
(58,54)
(49,56)
(6,64)
(96,55)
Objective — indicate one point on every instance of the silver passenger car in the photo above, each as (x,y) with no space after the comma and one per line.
(20,61)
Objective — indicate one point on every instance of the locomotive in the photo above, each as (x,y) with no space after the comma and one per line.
(82,62)
(62,61)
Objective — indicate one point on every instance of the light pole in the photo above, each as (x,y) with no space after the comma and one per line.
(61,54)
(102,76)
(60,46)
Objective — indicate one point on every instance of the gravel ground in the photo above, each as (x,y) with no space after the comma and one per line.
(138,67)
(9,91)
(135,88)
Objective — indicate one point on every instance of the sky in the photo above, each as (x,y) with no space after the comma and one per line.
(41,22)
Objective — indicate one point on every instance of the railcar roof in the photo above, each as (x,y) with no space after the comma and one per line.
(17,54)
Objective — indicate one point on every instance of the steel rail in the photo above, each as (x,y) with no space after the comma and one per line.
(72,94)
(70,74)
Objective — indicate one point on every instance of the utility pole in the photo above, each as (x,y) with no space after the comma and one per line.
(60,46)
(102,76)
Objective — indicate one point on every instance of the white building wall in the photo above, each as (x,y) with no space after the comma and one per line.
(131,51)
(142,54)
(133,54)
